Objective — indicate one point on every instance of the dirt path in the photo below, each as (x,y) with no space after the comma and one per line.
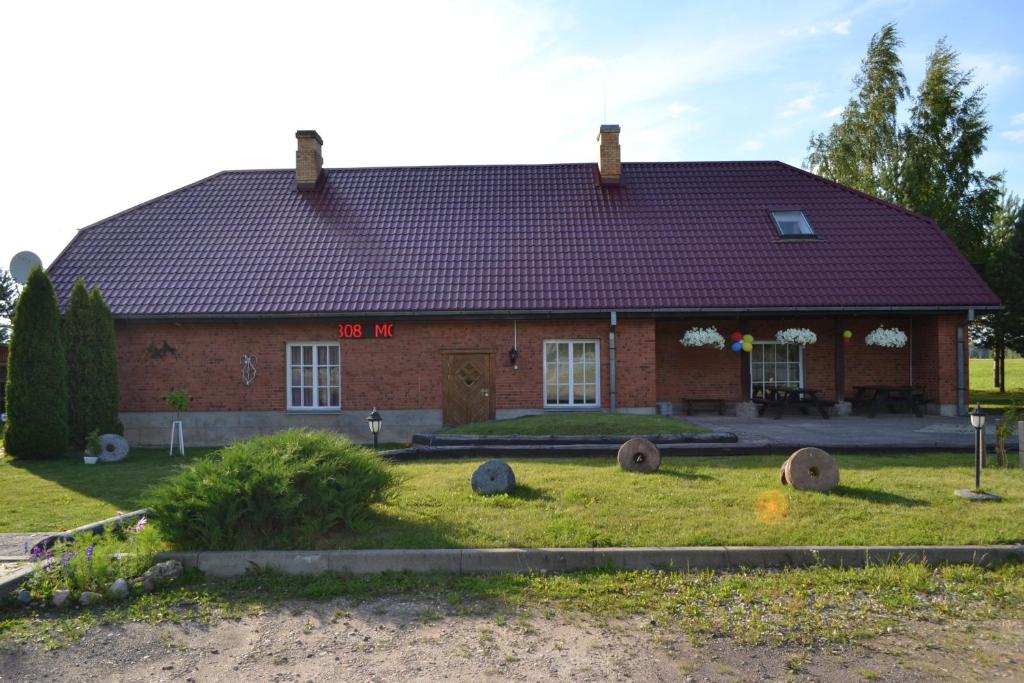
(396,640)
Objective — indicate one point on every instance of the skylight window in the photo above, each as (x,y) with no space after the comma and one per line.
(792,224)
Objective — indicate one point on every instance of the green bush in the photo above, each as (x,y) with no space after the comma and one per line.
(280,491)
(37,390)
(93,562)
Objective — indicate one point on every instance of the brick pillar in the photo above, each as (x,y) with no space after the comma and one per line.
(935,360)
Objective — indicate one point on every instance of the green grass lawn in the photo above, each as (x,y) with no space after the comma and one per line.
(590,502)
(694,501)
(580,423)
(983,390)
(58,494)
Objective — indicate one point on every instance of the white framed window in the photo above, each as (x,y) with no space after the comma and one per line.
(572,373)
(314,376)
(775,365)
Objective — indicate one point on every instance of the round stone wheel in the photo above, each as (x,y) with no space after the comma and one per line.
(811,469)
(113,448)
(639,455)
(494,476)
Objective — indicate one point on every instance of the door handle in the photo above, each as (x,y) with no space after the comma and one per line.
(486,393)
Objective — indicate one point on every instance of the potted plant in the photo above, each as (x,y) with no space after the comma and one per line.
(796,335)
(178,400)
(891,338)
(699,336)
(92,447)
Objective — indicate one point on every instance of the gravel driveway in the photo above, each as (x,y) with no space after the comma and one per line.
(411,640)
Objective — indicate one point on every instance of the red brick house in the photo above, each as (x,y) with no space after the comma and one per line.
(463,293)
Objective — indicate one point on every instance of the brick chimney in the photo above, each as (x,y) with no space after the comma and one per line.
(609,161)
(309,162)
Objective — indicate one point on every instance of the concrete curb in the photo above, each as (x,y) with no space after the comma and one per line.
(555,439)
(783,450)
(95,528)
(554,560)
(11,582)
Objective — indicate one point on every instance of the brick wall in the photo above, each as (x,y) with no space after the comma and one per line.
(403,372)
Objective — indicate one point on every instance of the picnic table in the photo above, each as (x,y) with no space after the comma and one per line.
(779,398)
(877,395)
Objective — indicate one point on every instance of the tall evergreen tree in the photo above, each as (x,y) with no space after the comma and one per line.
(8,298)
(92,365)
(107,389)
(79,350)
(37,394)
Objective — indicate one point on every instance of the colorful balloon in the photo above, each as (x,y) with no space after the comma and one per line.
(748,338)
(847,340)
(847,334)
(737,336)
(748,347)
(737,346)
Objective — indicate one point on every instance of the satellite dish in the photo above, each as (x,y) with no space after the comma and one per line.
(22,265)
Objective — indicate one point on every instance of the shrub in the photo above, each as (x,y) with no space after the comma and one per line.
(280,491)
(37,391)
(93,562)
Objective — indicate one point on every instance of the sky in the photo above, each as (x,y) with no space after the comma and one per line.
(108,104)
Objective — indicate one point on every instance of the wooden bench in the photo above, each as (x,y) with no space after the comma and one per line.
(691,404)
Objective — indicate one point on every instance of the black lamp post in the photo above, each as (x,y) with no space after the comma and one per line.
(978,422)
(374,421)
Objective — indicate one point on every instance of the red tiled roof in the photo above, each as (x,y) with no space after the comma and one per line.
(514,238)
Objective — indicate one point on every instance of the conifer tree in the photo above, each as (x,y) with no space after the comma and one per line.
(37,395)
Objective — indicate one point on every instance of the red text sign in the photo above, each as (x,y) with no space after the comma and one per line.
(358,330)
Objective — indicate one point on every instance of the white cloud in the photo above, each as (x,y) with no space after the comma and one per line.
(1014,135)
(834,112)
(1017,120)
(751,145)
(798,106)
(818,28)
(677,108)
(991,69)
(842,27)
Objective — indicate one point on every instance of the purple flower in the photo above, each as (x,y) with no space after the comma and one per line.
(88,553)
(140,525)
(65,558)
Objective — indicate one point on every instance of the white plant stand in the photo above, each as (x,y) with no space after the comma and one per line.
(177,435)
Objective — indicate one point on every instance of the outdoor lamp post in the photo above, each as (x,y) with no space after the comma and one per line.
(978,422)
(374,421)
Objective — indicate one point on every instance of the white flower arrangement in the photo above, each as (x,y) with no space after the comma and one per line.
(796,335)
(891,338)
(703,336)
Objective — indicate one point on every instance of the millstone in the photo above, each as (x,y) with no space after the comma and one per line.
(810,469)
(639,455)
(494,476)
(113,448)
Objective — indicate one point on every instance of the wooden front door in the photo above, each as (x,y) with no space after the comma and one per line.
(468,387)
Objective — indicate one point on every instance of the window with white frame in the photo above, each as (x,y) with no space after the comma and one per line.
(774,365)
(571,373)
(314,376)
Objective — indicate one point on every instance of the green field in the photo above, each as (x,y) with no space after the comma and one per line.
(983,390)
